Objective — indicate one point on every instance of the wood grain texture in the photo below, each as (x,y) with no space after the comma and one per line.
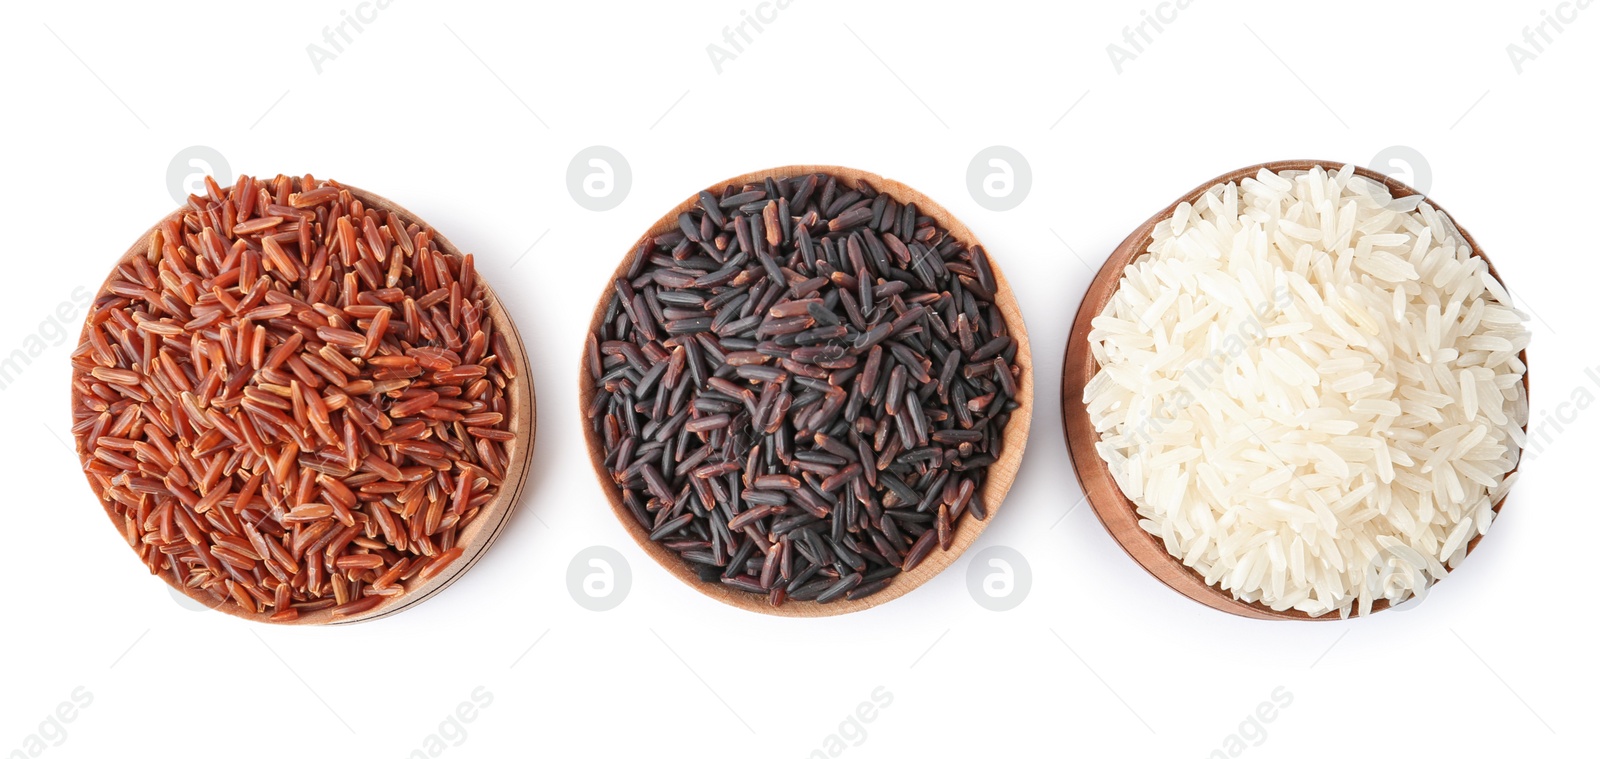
(476,537)
(1000,475)
(1114,510)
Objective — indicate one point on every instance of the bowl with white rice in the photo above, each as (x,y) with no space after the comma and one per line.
(1298,392)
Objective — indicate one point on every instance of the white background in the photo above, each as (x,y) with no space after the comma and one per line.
(434,105)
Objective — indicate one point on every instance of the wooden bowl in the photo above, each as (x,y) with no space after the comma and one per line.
(475,537)
(1000,474)
(1115,511)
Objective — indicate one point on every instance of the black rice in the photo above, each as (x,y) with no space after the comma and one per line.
(799,389)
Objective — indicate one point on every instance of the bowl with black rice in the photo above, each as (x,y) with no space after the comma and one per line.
(806,390)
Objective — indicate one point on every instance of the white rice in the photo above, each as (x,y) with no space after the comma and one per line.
(1310,390)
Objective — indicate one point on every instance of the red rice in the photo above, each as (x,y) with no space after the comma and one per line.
(292,401)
